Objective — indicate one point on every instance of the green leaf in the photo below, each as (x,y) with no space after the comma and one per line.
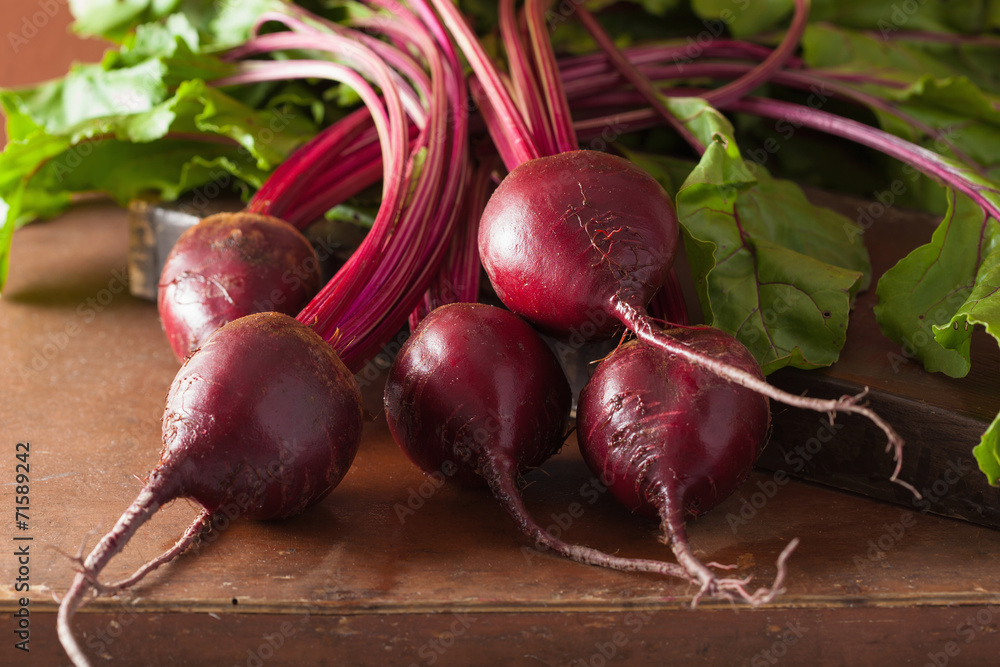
(787,307)
(220,24)
(929,286)
(197,136)
(770,267)
(86,92)
(669,171)
(749,18)
(839,49)
(270,135)
(745,18)
(112,19)
(9,213)
(981,307)
(165,38)
(890,15)
(987,452)
(967,118)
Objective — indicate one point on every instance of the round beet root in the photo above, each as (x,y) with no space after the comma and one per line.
(270,400)
(670,437)
(655,426)
(262,421)
(564,235)
(475,389)
(230,265)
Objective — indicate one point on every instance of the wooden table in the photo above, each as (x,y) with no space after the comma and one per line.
(391,571)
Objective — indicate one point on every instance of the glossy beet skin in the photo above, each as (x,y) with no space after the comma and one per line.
(230,265)
(264,409)
(261,422)
(563,235)
(657,427)
(477,396)
(474,387)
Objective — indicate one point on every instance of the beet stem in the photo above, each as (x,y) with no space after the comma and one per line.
(502,482)
(763,72)
(640,324)
(555,102)
(638,80)
(527,92)
(150,499)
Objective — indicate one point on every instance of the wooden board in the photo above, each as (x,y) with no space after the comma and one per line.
(390,570)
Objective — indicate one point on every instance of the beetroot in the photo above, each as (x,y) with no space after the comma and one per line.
(475,394)
(672,439)
(264,416)
(707,431)
(578,229)
(474,385)
(230,265)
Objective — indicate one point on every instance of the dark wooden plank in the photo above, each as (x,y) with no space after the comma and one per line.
(866,637)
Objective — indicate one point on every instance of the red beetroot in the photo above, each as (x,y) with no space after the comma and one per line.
(230,265)
(578,229)
(475,393)
(474,385)
(672,439)
(263,416)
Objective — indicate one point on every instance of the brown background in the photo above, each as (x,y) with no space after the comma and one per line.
(49,47)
